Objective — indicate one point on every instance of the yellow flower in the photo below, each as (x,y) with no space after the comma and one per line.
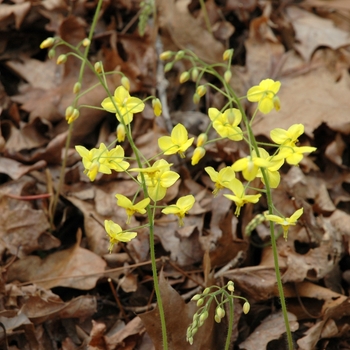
(287,137)
(239,197)
(250,166)
(131,208)
(158,178)
(226,124)
(293,155)
(116,234)
(180,209)
(264,94)
(91,160)
(222,179)
(114,159)
(102,160)
(272,170)
(285,222)
(178,142)
(126,105)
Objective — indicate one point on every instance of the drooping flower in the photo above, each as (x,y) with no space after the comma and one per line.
(158,178)
(287,137)
(92,161)
(126,105)
(239,197)
(178,142)
(264,94)
(226,124)
(221,179)
(116,234)
(250,165)
(131,208)
(181,208)
(294,155)
(271,170)
(285,222)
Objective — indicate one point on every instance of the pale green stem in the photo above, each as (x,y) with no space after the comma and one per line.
(230,323)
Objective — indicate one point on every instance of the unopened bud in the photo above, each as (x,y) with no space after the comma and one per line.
(168,67)
(98,67)
(179,55)
(203,317)
(69,112)
(230,115)
(126,83)
(227,54)
(196,98)
(86,42)
(121,133)
(201,90)
(51,53)
(206,291)
(184,77)
(227,76)
(74,116)
(202,139)
(246,307)
(200,302)
(230,286)
(165,55)
(157,107)
(196,297)
(217,319)
(220,312)
(48,42)
(194,74)
(198,154)
(76,88)
(61,59)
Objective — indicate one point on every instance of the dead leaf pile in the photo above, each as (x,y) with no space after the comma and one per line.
(59,287)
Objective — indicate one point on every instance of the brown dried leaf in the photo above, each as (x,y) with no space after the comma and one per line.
(272,327)
(313,32)
(186,31)
(19,11)
(75,267)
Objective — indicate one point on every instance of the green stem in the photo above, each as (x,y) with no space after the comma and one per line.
(230,323)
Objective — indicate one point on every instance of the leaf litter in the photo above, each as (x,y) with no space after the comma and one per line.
(55,271)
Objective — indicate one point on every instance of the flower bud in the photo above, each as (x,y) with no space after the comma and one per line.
(48,42)
(246,307)
(121,133)
(157,107)
(165,55)
(179,55)
(196,297)
(276,103)
(230,116)
(168,67)
(203,317)
(51,53)
(86,42)
(69,112)
(126,83)
(230,286)
(194,74)
(227,76)
(76,88)
(61,59)
(98,67)
(196,98)
(200,302)
(220,312)
(227,54)
(206,291)
(217,319)
(201,90)
(198,154)
(74,116)
(184,77)
(202,139)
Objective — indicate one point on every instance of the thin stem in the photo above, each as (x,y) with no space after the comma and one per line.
(230,323)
